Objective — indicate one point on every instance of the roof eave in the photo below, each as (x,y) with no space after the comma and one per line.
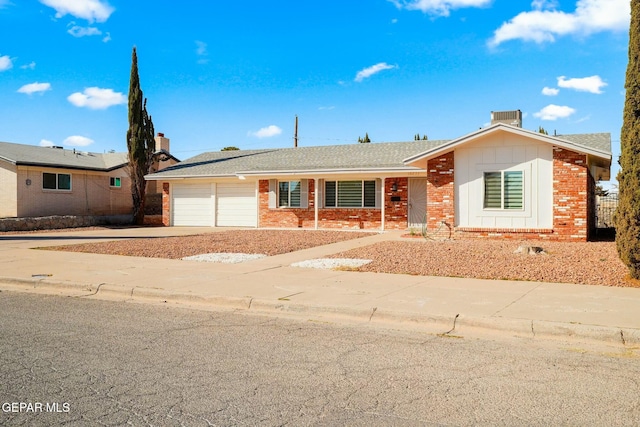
(59,166)
(160,177)
(336,171)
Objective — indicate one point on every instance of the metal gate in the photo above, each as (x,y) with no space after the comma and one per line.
(605,209)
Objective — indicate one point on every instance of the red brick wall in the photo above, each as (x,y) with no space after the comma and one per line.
(166,203)
(396,213)
(284,217)
(571,210)
(337,218)
(440,193)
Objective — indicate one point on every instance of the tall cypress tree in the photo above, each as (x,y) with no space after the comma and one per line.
(140,142)
(627,218)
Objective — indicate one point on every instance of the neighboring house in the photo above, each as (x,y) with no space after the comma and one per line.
(498,181)
(43,181)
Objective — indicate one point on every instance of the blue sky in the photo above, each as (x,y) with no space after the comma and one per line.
(220,74)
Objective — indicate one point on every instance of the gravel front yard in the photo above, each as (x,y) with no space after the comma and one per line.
(593,263)
(267,242)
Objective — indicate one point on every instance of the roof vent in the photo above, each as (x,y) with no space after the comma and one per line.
(513,118)
(57,147)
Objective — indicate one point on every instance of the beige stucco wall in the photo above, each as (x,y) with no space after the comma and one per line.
(90,193)
(8,193)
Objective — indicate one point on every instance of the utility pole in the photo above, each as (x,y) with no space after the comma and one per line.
(295,134)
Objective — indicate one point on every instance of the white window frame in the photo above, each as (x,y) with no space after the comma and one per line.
(288,204)
(112,179)
(502,190)
(57,175)
(362,194)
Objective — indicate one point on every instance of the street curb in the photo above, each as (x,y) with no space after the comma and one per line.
(454,325)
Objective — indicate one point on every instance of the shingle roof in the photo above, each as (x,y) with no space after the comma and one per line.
(350,157)
(598,141)
(370,156)
(20,154)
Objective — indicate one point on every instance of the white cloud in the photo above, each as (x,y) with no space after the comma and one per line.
(97,98)
(90,10)
(545,22)
(5,63)
(30,66)
(201,51)
(374,69)
(78,31)
(266,132)
(332,107)
(77,141)
(438,7)
(35,87)
(544,4)
(550,91)
(201,48)
(107,37)
(554,112)
(593,84)
(46,143)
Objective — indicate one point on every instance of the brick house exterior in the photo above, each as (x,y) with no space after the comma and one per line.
(545,186)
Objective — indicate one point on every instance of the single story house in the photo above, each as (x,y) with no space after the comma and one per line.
(45,181)
(501,180)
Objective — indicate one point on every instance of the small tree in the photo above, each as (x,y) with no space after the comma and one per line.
(542,130)
(230,149)
(140,142)
(364,140)
(627,217)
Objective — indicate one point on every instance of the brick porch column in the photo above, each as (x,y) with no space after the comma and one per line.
(440,193)
(166,204)
(570,195)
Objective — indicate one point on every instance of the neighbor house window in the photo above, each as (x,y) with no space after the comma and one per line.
(350,194)
(503,190)
(115,182)
(56,181)
(289,194)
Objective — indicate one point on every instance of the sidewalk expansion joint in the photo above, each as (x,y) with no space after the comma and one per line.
(286,297)
(516,300)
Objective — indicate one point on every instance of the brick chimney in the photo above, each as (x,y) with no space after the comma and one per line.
(513,118)
(162,143)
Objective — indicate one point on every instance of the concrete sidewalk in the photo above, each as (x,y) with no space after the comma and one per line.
(271,286)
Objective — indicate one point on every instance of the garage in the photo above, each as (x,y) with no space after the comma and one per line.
(192,205)
(237,205)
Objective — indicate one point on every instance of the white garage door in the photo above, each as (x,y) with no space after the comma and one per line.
(192,205)
(237,205)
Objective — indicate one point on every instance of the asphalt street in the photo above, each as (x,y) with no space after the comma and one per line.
(92,362)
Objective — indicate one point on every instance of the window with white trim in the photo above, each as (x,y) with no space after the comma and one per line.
(289,194)
(504,190)
(350,194)
(56,181)
(115,181)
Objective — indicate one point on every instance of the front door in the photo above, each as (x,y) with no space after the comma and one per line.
(417,203)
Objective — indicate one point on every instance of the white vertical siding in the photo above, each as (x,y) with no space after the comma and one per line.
(498,153)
